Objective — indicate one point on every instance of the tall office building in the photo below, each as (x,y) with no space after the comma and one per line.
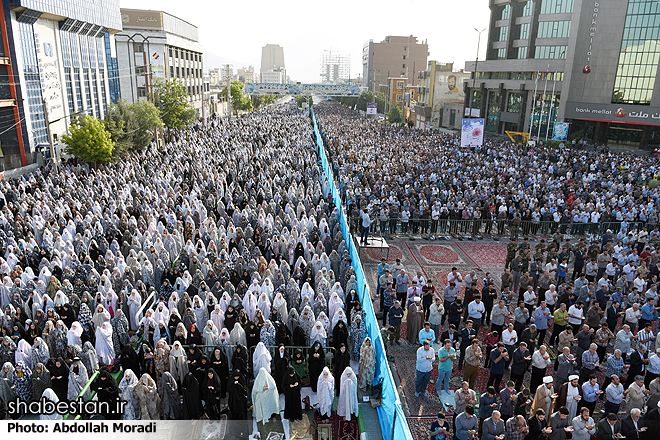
(591,63)
(392,57)
(157,45)
(335,67)
(57,57)
(273,69)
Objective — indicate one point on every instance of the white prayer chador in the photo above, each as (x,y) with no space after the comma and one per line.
(348,403)
(50,395)
(325,392)
(265,398)
(104,347)
(261,358)
(178,362)
(211,334)
(318,334)
(237,336)
(250,305)
(74,333)
(218,316)
(264,304)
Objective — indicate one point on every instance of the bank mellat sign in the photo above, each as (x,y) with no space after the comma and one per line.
(141,19)
(627,114)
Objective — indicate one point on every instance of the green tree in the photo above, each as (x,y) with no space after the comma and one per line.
(122,125)
(381,100)
(364,99)
(238,100)
(89,140)
(171,98)
(299,100)
(348,101)
(395,114)
(148,119)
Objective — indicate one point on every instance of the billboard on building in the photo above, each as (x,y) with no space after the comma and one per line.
(372,108)
(449,87)
(472,134)
(561,131)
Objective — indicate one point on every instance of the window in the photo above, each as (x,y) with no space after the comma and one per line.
(140,70)
(501,53)
(399,98)
(399,85)
(476,99)
(557,6)
(528,8)
(404,66)
(170,50)
(141,92)
(554,29)
(503,33)
(404,57)
(550,52)
(513,102)
(521,75)
(452,117)
(499,75)
(521,53)
(522,31)
(640,54)
(171,71)
(493,111)
(505,12)
(138,47)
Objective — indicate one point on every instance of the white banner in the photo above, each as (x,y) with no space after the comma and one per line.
(472,134)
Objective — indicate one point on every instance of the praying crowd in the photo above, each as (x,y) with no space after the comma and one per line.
(203,278)
(423,178)
(567,335)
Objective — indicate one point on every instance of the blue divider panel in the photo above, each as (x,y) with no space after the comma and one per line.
(390,412)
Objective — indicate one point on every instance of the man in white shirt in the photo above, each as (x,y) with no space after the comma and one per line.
(576,316)
(425,356)
(455,276)
(421,279)
(633,314)
(476,310)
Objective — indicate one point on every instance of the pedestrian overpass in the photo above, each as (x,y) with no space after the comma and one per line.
(301,89)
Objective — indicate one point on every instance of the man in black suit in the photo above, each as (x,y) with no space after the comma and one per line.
(608,427)
(467,335)
(632,426)
(638,361)
(450,334)
(519,364)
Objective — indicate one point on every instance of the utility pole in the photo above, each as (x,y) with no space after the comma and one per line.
(228,91)
(50,137)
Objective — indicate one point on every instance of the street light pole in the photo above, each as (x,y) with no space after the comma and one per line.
(474,78)
(50,137)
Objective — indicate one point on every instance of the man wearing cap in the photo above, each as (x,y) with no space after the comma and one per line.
(545,394)
(476,309)
(425,356)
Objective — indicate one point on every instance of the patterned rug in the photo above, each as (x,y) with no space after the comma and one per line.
(341,429)
(420,427)
(491,254)
(212,429)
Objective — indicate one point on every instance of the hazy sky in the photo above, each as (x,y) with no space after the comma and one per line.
(235,32)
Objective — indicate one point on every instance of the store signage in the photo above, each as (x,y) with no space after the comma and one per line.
(631,114)
(592,32)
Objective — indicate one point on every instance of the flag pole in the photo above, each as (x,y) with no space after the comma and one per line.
(552,106)
(545,88)
(533,110)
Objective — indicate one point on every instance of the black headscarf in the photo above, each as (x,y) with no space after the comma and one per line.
(192,401)
(238,398)
(292,404)
(107,391)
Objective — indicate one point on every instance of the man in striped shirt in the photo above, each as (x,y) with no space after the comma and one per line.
(646,336)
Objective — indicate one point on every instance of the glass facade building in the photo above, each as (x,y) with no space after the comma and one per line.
(59,48)
(640,54)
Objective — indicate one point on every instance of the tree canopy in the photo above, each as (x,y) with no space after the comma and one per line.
(171,99)
(89,140)
(238,100)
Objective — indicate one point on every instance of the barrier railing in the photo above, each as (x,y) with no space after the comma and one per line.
(392,419)
(479,227)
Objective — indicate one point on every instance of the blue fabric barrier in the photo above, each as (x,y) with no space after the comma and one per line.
(390,413)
